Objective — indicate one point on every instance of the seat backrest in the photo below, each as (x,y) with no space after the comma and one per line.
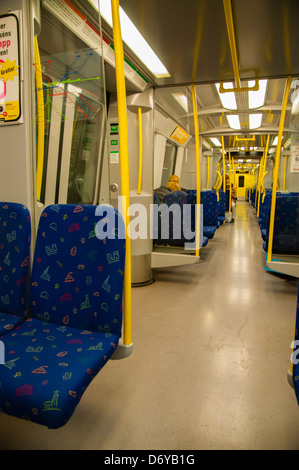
(15,234)
(175,222)
(286,226)
(77,278)
(210,210)
(221,204)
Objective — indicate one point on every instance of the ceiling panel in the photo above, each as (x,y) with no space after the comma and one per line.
(191,38)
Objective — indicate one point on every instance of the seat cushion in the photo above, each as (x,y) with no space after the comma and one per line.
(47,369)
(209,231)
(8,322)
(204,241)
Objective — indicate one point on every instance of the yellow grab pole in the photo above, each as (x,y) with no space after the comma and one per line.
(232,40)
(140,151)
(197,149)
(230,184)
(124,166)
(258,186)
(40,121)
(284,172)
(223,162)
(208,171)
(276,167)
(234,172)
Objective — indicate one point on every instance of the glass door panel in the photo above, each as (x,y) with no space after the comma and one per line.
(74,101)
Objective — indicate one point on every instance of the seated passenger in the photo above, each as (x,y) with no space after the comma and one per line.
(172,185)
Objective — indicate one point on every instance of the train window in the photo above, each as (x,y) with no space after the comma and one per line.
(241,181)
(74,115)
(169,162)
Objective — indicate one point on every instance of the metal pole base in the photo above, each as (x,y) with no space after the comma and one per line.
(122,351)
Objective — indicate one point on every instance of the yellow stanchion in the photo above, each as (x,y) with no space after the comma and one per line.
(276,167)
(140,151)
(208,171)
(223,162)
(197,148)
(284,172)
(230,184)
(40,121)
(124,166)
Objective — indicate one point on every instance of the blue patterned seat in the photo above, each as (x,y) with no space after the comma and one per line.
(76,310)
(210,213)
(286,226)
(179,230)
(295,355)
(15,232)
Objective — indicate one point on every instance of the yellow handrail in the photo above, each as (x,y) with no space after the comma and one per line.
(219,184)
(276,168)
(40,121)
(259,185)
(230,184)
(140,151)
(124,166)
(197,148)
(223,162)
(232,40)
(208,171)
(284,172)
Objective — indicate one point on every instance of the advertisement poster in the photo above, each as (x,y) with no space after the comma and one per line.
(10,100)
(295,159)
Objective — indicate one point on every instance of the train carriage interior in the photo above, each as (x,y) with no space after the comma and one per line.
(149,225)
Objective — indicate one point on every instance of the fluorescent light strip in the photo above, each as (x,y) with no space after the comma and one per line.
(215,141)
(182,100)
(234,121)
(257,98)
(255,120)
(228,99)
(132,37)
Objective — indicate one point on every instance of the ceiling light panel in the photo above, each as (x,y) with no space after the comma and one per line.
(256,99)
(132,37)
(228,99)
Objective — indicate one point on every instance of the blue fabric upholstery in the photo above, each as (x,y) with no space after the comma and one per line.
(187,220)
(295,355)
(76,296)
(15,232)
(286,226)
(48,368)
(210,213)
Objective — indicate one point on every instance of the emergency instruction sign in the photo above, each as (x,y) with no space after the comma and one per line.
(10,99)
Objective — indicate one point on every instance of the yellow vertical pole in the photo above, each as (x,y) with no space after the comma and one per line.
(223,162)
(197,149)
(276,167)
(230,184)
(40,120)
(124,165)
(259,184)
(208,171)
(140,151)
(284,172)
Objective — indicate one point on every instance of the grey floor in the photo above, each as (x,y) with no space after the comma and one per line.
(209,368)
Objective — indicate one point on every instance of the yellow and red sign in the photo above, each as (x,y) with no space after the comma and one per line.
(179,135)
(10,109)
